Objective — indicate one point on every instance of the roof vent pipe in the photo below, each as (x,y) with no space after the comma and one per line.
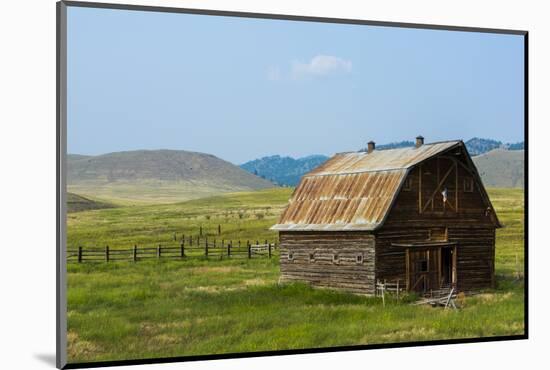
(370,146)
(419,141)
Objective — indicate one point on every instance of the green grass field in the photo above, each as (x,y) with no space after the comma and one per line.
(148,309)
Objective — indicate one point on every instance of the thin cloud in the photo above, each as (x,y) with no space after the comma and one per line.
(321,65)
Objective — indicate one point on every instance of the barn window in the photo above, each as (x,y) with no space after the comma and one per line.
(422,266)
(468,185)
(359,259)
(290,256)
(311,257)
(407,186)
(335,258)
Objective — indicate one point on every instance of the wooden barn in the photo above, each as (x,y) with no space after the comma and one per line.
(419,215)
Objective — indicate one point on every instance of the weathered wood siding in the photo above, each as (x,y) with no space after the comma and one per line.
(470,226)
(345,274)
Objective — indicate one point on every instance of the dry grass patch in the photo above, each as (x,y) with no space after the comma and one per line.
(78,348)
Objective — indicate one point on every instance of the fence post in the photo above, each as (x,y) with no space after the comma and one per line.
(135,253)
(198,240)
(228,250)
(269,249)
(249,250)
(158,251)
(219,229)
(397,288)
(107,253)
(182,249)
(206,248)
(79,254)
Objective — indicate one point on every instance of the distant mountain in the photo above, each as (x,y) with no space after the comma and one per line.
(501,168)
(516,146)
(477,146)
(159,176)
(395,145)
(284,171)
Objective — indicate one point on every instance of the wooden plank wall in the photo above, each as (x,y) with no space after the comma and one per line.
(345,274)
(475,257)
(471,227)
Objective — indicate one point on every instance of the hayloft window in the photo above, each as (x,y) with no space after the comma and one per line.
(312,257)
(407,186)
(468,185)
(291,256)
(335,258)
(359,259)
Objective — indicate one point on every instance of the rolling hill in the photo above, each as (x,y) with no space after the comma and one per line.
(77,203)
(501,168)
(156,176)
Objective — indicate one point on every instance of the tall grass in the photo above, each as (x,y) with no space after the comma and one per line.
(176,308)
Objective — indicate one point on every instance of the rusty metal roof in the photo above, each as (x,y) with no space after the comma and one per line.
(353,191)
(381,160)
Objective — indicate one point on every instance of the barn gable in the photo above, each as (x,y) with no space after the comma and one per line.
(356,191)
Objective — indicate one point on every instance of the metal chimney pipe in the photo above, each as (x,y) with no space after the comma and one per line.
(370,146)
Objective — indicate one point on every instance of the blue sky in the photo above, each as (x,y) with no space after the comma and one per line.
(243,88)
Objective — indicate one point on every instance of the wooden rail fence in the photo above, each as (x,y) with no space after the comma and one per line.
(206,248)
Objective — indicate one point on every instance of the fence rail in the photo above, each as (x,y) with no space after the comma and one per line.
(206,249)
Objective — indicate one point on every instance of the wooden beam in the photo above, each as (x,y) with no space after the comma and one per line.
(456,186)
(420,189)
(407,270)
(438,187)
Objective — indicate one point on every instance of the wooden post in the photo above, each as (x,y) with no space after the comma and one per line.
(135,253)
(456,187)
(269,250)
(420,210)
(249,249)
(158,251)
(407,270)
(107,253)
(200,230)
(182,250)
(228,250)
(239,243)
(397,288)
(79,254)
(206,249)
(219,229)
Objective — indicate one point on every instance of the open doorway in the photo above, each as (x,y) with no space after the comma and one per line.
(446,266)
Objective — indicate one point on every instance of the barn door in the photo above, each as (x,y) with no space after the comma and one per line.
(424,269)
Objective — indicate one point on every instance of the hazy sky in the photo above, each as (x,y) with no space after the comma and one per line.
(244,88)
